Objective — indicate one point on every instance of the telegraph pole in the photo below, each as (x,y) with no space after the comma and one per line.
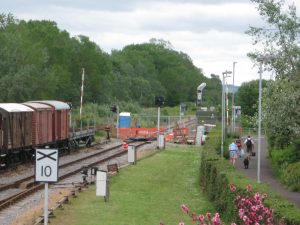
(81,97)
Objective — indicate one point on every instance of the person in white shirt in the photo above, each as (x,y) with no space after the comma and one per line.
(233,150)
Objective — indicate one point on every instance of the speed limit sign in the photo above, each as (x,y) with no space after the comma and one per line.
(46,165)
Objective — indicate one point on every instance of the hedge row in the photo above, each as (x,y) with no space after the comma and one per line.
(216,176)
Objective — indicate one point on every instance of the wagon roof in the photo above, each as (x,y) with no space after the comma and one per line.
(15,107)
(57,104)
(38,106)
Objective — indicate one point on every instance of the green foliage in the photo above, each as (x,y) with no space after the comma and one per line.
(212,94)
(34,53)
(281,114)
(248,121)
(281,98)
(291,176)
(217,174)
(39,61)
(247,97)
(286,165)
(161,71)
(278,37)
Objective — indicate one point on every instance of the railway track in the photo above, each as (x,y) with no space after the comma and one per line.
(13,192)
(24,187)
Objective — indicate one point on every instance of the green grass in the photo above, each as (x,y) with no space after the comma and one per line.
(149,192)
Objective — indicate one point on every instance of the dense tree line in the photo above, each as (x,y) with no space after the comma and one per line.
(40,61)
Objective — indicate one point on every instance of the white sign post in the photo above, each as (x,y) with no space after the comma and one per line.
(46,170)
(131,154)
(101,184)
(199,135)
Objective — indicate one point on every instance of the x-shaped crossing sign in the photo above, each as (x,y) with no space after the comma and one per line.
(46,165)
(46,155)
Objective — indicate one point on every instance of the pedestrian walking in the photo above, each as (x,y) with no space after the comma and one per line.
(233,150)
(238,143)
(249,146)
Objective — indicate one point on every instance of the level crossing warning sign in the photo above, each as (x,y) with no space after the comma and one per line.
(46,165)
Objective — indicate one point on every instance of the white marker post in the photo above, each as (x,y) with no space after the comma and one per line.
(46,170)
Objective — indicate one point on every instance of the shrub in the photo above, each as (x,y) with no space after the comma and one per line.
(291,176)
(217,174)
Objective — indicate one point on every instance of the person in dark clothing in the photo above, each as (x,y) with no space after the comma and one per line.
(249,146)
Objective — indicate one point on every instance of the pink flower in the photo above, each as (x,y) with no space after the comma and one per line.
(208,215)
(216,219)
(232,187)
(257,197)
(181,223)
(184,208)
(245,218)
(201,218)
(253,208)
(241,213)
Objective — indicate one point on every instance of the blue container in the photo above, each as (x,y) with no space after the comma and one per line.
(125,120)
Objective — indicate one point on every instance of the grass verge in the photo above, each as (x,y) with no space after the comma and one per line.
(149,192)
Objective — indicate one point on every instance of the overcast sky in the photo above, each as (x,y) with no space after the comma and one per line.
(211,32)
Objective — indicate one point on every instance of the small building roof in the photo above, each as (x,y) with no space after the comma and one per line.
(15,107)
(125,114)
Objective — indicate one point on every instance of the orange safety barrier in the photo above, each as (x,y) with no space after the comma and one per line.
(170,137)
(137,132)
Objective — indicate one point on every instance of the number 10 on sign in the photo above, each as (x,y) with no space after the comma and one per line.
(46,165)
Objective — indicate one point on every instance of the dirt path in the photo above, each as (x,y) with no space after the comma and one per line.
(266,173)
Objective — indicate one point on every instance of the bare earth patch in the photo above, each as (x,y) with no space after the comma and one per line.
(29,217)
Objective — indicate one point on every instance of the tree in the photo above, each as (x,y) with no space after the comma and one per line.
(247,97)
(279,38)
(280,107)
(281,112)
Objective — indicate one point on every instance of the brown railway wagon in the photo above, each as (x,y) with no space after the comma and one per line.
(60,113)
(41,123)
(15,126)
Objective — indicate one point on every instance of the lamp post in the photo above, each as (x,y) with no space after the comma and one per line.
(225,75)
(233,90)
(259,123)
(199,92)
(159,101)
(262,59)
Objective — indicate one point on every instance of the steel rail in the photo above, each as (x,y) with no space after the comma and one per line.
(34,187)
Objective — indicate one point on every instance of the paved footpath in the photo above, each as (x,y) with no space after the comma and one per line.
(266,173)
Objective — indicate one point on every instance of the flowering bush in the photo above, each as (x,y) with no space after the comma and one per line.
(251,210)
(206,219)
